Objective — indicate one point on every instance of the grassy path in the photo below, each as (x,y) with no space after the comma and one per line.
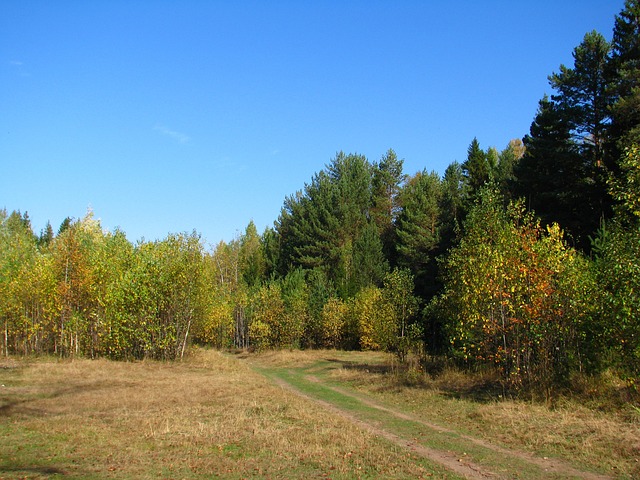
(467,456)
(209,416)
(283,415)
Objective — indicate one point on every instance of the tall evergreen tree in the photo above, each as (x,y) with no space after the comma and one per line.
(370,264)
(503,174)
(46,236)
(551,175)
(387,181)
(624,72)
(565,168)
(64,226)
(418,230)
(584,97)
(452,203)
(476,168)
(252,264)
(271,248)
(325,226)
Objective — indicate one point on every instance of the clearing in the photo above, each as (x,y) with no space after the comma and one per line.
(321,414)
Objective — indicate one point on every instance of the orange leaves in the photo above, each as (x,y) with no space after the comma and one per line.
(505,292)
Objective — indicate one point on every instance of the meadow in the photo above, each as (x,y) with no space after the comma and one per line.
(300,414)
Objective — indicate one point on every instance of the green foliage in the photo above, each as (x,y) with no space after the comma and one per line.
(320,291)
(418,229)
(617,250)
(386,184)
(328,226)
(371,319)
(625,188)
(551,175)
(251,257)
(271,250)
(46,236)
(624,72)
(87,292)
(618,272)
(278,312)
(267,328)
(583,95)
(380,318)
(476,168)
(333,318)
(398,296)
(510,295)
(26,291)
(369,262)
(295,295)
(216,328)
(452,208)
(355,252)
(503,172)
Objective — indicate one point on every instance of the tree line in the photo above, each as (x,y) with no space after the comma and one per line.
(525,259)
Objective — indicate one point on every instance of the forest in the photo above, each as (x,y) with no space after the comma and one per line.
(524,259)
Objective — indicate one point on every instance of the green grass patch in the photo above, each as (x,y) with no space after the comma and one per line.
(378,382)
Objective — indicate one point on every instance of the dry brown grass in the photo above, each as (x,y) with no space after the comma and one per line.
(570,430)
(207,416)
(306,358)
(212,415)
(577,428)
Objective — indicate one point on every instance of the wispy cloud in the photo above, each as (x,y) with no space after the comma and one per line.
(178,136)
(18,67)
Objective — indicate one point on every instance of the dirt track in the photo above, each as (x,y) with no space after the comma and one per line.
(454,462)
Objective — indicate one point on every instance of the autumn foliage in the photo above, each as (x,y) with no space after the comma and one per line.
(515,294)
(523,260)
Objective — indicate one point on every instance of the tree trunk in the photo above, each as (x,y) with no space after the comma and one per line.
(6,338)
(186,334)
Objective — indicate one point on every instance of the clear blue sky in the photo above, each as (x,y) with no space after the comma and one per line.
(169,116)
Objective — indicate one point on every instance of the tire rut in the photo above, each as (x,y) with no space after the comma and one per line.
(547,464)
(461,466)
(467,469)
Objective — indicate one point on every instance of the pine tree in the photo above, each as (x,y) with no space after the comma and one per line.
(624,73)
(418,230)
(584,98)
(386,184)
(476,167)
(327,225)
(252,264)
(64,226)
(46,236)
(551,174)
(452,204)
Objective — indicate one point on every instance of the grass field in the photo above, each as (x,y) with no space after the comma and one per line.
(289,415)
(207,416)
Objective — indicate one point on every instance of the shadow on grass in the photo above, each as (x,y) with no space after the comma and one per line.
(32,470)
(22,406)
(479,391)
(432,374)
(376,368)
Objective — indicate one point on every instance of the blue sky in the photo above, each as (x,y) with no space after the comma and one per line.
(166,117)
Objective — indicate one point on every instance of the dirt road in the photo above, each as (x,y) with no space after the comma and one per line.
(454,461)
